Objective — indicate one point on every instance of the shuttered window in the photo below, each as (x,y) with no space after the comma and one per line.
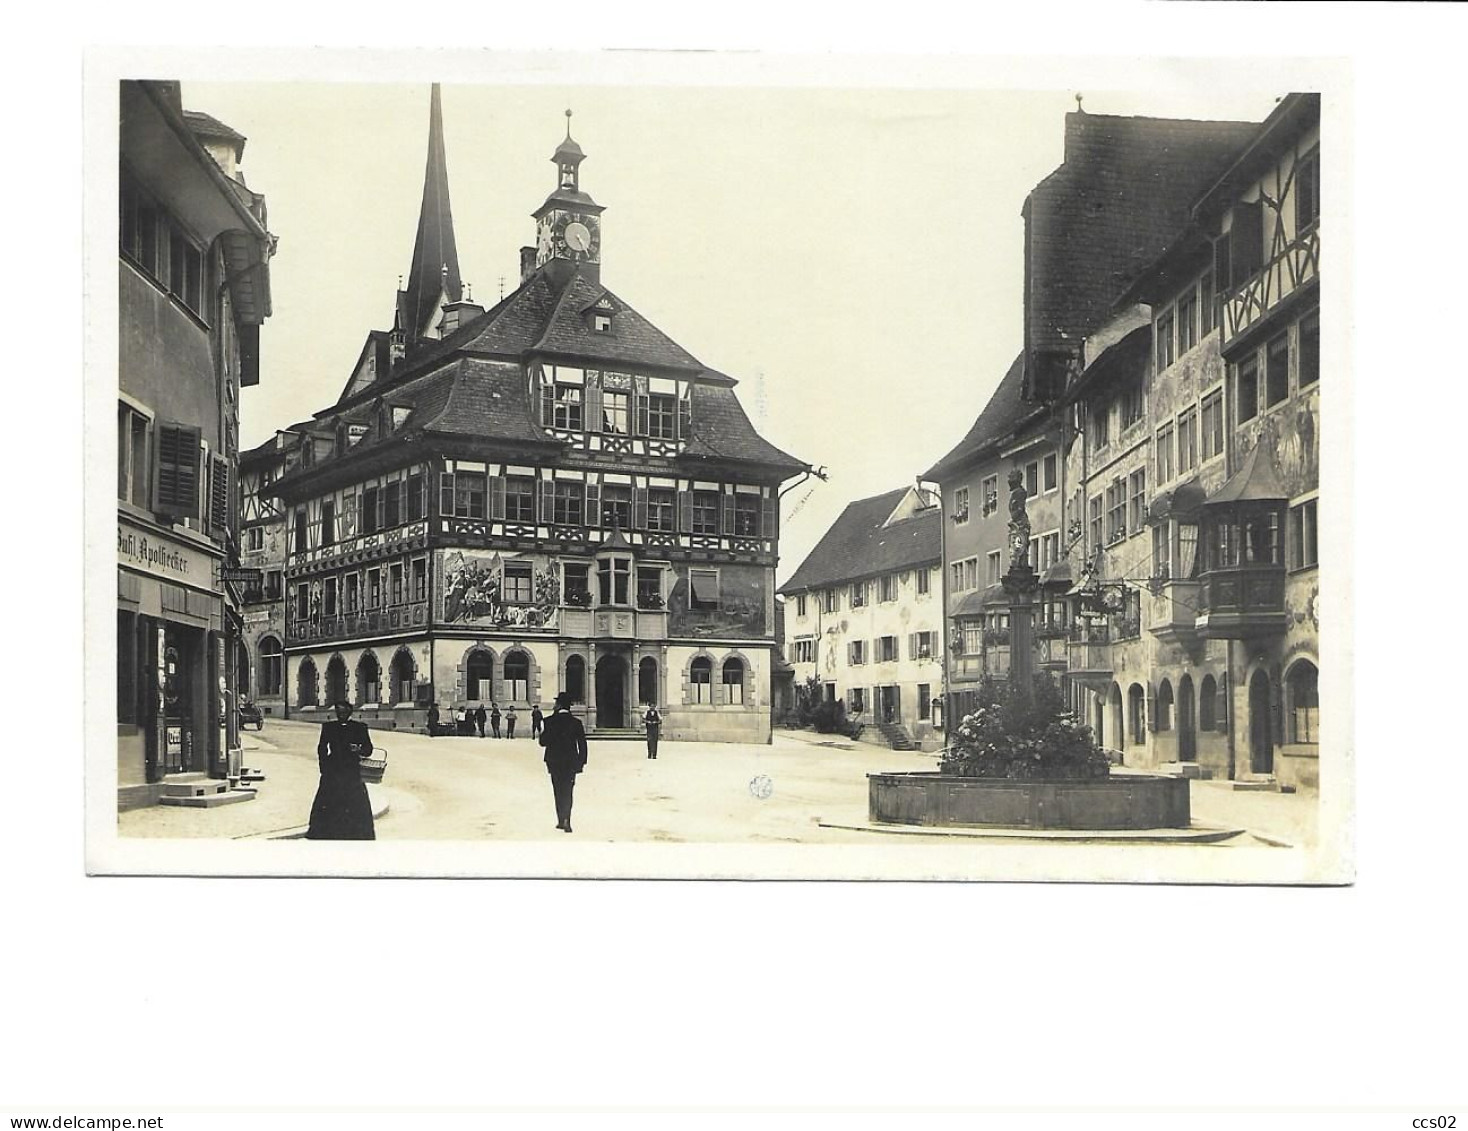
(219,494)
(176,488)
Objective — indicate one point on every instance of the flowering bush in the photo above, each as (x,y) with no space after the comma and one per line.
(1041,740)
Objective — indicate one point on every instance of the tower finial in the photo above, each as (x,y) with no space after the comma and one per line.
(568,125)
(1079,108)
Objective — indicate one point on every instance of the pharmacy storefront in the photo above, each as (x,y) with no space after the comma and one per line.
(170,660)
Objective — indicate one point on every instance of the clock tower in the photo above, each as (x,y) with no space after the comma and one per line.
(568,224)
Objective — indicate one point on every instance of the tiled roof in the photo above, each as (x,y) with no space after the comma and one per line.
(632,338)
(858,545)
(721,431)
(484,398)
(1122,194)
(1005,410)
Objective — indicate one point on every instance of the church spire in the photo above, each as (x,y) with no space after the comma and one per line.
(435,270)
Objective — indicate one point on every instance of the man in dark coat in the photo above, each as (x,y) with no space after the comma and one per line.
(654,724)
(479,719)
(564,740)
(342,810)
(432,719)
(536,718)
(494,718)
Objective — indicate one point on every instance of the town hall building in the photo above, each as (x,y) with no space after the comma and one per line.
(550,495)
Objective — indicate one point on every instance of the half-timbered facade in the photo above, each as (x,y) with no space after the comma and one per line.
(549,495)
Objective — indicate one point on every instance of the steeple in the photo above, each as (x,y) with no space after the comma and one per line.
(435,270)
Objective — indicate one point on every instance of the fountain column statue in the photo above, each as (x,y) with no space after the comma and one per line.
(1020,582)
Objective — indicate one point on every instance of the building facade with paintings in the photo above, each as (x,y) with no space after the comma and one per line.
(1213,663)
(193,290)
(548,495)
(1172,360)
(864,617)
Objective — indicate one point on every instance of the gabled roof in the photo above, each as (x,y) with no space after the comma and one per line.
(861,543)
(1005,411)
(632,337)
(1124,191)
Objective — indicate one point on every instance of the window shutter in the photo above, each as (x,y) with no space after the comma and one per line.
(445,496)
(642,414)
(912,645)
(593,504)
(547,500)
(591,401)
(497,497)
(685,418)
(639,508)
(769,517)
(726,515)
(219,494)
(547,402)
(176,480)
(685,512)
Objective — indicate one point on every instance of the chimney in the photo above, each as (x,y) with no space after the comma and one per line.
(527,263)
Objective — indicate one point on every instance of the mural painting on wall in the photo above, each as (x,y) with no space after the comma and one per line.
(723,602)
(1290,440)
(488,590)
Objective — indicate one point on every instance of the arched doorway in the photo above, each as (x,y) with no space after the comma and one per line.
(1117,719)
(242,670)
(479,675)
(270,666)
(611,691)
(336,681)
(576,678)
(306,680)
(1136,701)
(369,678)
(647,680)
(401,674)
(1208,704)
(1261,737)
(1187,738)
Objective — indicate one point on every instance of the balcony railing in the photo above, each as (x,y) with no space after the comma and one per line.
(1241,601)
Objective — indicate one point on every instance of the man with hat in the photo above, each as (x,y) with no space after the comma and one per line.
(564,740)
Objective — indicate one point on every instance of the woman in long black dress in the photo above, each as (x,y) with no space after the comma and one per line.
(342,810)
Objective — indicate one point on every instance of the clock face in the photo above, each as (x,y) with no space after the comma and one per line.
(578,236)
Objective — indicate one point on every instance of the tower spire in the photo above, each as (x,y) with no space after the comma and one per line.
(435,269)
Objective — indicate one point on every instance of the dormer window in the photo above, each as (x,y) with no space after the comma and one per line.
(601,323)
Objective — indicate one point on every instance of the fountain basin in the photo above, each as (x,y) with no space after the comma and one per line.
(1123,801)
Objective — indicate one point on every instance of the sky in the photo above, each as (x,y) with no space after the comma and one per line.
(852,256)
